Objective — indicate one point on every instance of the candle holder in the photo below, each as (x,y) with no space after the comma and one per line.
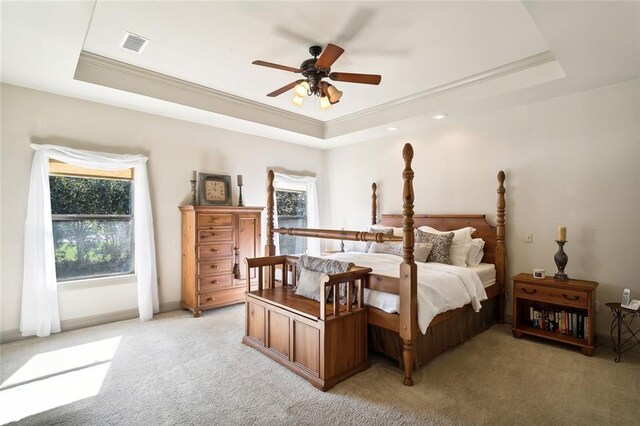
(240,203)
(561,260)
(193,192)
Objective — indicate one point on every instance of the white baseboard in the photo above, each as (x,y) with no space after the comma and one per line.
(90,321)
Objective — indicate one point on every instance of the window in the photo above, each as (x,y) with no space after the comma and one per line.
(92,221)
(292,213)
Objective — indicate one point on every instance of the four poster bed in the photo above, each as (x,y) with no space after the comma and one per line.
(327,342)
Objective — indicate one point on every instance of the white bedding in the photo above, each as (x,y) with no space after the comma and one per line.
(441,287)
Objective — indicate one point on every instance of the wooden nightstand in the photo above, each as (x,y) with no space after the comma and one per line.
(563,311)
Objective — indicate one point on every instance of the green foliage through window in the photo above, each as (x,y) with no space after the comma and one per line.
(92,226)
(78,195)
(292,213)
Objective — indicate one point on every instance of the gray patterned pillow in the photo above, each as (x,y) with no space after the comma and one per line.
(420,251)
(440,245)
(385,231)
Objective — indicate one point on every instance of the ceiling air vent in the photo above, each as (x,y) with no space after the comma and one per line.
(134,42)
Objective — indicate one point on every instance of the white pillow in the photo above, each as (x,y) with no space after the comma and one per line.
(396,231)
(459,246)
(309,284)
(476,252)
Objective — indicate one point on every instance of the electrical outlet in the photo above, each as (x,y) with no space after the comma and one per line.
(528,238)
(597,306)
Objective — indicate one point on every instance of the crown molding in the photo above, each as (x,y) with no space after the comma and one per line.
(97,69)
(476,79)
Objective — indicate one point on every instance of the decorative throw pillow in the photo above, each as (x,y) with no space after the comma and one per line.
(440,245)
(420,251)
(476,252)
(309,284)
(376,229)
(396,231)
(459,246)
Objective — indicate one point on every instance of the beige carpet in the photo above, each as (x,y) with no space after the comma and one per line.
(178,369)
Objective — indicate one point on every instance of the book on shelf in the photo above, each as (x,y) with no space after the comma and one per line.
(572,323)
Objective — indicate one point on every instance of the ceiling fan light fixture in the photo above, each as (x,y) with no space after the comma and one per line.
(297,100)
(325,103)
(302,89)
(333,94)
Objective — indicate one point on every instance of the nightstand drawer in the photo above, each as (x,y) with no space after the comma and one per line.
(215,250)
(215,235)
(552,295)
(208,220)
(215,267)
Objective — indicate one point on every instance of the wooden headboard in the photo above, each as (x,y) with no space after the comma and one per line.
(450,222)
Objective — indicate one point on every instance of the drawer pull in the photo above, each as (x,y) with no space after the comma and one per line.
(215,235)
(214,250)
(534,291)
(214,266)
(214,282)
(209,299)
(570,298)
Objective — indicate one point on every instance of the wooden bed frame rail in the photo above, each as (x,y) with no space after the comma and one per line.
(406,324)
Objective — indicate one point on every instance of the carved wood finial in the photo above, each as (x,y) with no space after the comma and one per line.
(407,152)
(270,249)
(374,204)
(407,199)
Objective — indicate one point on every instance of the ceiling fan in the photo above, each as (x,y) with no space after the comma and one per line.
(315,70)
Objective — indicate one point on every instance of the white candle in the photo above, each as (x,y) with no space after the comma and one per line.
(195,175)
(562,233)
(239,180)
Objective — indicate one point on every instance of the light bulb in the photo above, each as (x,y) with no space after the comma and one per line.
(324,103)
(301,89)
(297,100)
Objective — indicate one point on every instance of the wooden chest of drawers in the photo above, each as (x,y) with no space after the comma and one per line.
(215,242)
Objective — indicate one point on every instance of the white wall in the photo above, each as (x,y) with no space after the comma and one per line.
(573,161)
(174,148)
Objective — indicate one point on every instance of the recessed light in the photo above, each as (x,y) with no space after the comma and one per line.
(439,116)
(392,128)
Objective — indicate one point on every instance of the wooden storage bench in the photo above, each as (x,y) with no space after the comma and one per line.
(322,342)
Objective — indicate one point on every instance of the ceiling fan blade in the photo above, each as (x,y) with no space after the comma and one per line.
(330,54)
(356,78)
(283,89)
(276,66)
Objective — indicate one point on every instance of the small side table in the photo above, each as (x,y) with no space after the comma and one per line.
(622,327)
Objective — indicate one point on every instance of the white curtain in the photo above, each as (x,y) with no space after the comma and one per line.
(39,315)
(301,183)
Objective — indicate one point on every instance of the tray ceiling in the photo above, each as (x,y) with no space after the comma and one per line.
(461,58)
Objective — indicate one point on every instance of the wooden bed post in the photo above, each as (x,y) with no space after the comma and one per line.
(270,247)
(501,257)
(374,204)
(408,271)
